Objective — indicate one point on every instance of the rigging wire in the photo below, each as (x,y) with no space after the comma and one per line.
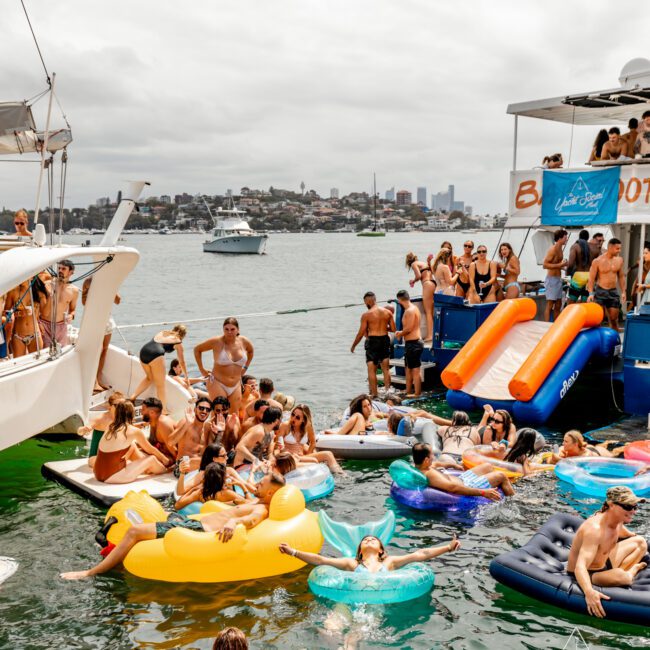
(38,48)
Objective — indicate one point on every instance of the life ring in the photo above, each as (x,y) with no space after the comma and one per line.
(595,475)
(411,488)
(385,587)
(190,556)
(484,454)
(639,450)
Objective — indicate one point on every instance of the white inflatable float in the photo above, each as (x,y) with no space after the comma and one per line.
(8,566)
(366,447)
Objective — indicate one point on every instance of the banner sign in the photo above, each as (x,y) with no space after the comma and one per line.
(580,198)
(526,198)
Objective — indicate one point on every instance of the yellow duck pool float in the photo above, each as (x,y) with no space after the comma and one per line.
(189,556)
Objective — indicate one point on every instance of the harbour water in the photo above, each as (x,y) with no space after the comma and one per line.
(49,529)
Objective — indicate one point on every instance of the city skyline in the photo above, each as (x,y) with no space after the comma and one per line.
(315,95)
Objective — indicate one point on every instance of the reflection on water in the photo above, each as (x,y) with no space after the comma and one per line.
(49,529)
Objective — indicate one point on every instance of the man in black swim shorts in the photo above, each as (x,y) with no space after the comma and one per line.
(413,344)
(375,325)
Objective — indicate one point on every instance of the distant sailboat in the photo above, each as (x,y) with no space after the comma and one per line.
(374,231)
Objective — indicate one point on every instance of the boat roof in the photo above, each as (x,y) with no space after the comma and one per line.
(232,224)
(589,108)
(18,264)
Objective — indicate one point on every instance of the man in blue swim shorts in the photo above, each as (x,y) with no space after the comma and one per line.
(222,523)
(480,481)
(604,553)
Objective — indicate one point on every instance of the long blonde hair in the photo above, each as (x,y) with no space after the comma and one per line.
(410,258)
(443,256)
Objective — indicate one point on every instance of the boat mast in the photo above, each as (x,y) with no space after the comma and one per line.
(374,200)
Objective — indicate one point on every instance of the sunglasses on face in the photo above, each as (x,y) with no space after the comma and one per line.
(203,409)
(467,246)
(219,410)
(495,421)
(627,507)
(481,252)
(19,223)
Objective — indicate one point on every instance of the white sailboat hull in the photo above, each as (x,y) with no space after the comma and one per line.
(240,244)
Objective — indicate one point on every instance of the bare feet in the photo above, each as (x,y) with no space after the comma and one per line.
(636,568)
(74,575)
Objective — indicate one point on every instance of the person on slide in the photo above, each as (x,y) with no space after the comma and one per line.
(222,523)
(371,556)
(604,553)
(480,481)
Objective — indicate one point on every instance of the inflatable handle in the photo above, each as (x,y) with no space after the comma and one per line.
(346,537)
(407,476)
(286,503)
(472,355)
(529,378)
(188,545)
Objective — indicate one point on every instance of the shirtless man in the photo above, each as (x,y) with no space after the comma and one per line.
(630,137)
(66,296)
(256,445)
(21,221)
(642,144)
(605,274)
(266,389)
(480,481)
(604,553)
(554,262)
(375,325)
(188,433)
(161,426)
(250,393)
(578,266)
(222,427)
(615,147)
(257,411)
(222,523)
(596,246)
(413,343)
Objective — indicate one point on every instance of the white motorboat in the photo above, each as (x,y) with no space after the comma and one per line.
(232,234)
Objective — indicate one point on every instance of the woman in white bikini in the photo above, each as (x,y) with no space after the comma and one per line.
(233,355)
(300,439)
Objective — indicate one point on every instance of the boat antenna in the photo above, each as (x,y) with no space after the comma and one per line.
(38,49)
(374,200)
(208,208)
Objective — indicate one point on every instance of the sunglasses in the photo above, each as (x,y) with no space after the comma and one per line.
(626,506)
(19,223)
(495,421)
(218,410)
(203,409)
(481,252)
(467,246)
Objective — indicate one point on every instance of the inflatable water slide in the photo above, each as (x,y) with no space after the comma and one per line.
(526,366)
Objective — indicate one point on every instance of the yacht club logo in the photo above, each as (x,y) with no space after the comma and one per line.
(580,200)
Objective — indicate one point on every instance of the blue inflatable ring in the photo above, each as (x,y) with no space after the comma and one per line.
(595,475)
(410,488)
(386,587)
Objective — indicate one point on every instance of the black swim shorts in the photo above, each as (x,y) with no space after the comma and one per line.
(412,353)
(377,349)
(607,298)
(177,520)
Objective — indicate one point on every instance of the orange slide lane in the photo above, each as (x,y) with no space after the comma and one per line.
(529,378)
(485,339)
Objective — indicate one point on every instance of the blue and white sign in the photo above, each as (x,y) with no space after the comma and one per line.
(580,198)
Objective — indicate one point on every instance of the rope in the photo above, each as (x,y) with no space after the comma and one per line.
(29,22)
(573,120)
(283,312)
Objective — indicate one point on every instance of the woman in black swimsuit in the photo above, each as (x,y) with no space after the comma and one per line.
(424,275)
(482,278)
(497,426)
(459,436)
(464,262)
(152,360)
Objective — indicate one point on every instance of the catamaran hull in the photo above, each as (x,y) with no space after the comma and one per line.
(253,245)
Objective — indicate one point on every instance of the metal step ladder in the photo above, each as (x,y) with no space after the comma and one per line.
(399,363)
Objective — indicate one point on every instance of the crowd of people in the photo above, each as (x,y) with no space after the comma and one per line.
(610,144)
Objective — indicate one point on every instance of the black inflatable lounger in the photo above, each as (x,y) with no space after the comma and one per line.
(538,570)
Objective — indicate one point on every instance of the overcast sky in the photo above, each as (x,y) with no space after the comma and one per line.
(206,96)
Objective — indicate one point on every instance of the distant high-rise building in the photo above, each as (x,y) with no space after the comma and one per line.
(468,210)
(334,193)
(458,205)
(165,198)
(404,197)
(422,195)
(302,187)
(443,200)
(103,202)
(390,194)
